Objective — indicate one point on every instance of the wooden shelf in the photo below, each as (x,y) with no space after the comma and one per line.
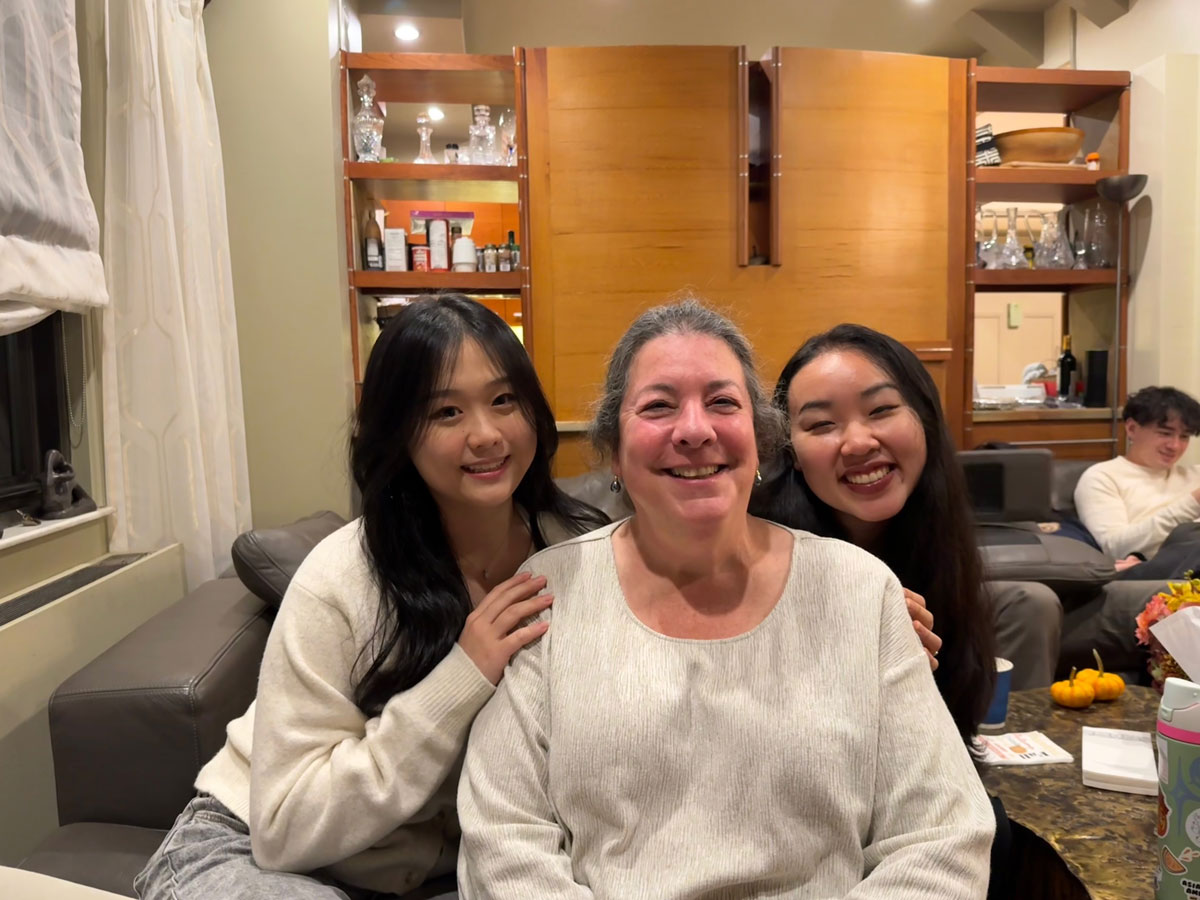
(435,77)
(1008,89)
(371,282)
(1053,185)
(380,171)
(1053,280)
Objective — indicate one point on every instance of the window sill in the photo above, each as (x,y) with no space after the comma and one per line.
(25,534)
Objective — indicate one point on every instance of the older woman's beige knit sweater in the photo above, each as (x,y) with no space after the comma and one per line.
(810,757)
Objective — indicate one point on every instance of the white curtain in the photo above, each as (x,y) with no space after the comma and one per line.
(174,436)
(49,236)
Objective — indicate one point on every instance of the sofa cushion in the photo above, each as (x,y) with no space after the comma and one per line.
(1063,479)
(267,558)
(95,854)
(1067,566)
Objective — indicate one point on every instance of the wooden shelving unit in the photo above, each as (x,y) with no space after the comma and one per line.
(380,171)
(1042,279)
(442,78)
(1011,89)
(1051,185)
(400,282)
(1097,101)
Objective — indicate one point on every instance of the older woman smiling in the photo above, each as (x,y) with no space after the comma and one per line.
(693,724)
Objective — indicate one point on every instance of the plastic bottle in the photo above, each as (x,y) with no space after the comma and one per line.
(1178,828)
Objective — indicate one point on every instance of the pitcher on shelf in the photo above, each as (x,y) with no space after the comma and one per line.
(1051,250)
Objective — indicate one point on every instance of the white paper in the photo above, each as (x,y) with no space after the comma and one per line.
(1118,760)
(1022,748)
(1179,633)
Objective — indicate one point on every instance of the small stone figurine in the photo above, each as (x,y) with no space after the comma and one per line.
(62,498)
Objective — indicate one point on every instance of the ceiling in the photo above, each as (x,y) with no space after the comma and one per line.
(938,27)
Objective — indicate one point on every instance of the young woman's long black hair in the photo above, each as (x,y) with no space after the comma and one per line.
(424,601)
(929,545)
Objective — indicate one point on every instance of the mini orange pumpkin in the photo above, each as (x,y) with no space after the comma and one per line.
(1072,693)
(1106,685)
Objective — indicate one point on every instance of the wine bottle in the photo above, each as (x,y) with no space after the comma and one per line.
(515,250)
(372,258)
(1067,366)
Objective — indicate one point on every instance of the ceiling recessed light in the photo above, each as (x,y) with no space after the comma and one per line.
(407,32)
(435,113)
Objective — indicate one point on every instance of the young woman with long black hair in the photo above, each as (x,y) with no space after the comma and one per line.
(340,779)
(870,461)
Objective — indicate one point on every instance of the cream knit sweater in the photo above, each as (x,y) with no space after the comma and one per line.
(1130,508)
(369,800)
(810,757)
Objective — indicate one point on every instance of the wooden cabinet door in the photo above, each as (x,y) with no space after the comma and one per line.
(632,181)
(872,179)
(633,195)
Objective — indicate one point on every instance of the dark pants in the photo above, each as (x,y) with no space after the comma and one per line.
(1179,554)
(1000,881)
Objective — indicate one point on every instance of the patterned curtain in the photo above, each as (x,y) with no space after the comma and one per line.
(174,436)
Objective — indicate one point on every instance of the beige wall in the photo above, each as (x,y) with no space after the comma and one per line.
(274,70)
(41,650)
(1157,40)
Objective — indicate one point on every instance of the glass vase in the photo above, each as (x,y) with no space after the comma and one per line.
(424,132)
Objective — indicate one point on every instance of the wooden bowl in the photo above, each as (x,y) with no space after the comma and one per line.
(1052,145)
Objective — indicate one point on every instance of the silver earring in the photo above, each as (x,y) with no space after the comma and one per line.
(757,477)
(615,487)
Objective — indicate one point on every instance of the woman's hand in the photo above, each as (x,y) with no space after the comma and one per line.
(488,637)
(923,623)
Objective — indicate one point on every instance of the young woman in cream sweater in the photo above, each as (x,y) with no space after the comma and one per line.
(339,781)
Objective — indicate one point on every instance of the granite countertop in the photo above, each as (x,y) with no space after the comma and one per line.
(1106,838)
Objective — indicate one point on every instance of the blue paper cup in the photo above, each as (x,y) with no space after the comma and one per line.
(997,714)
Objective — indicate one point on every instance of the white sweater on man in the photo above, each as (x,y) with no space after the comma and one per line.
(1129,508)
(809,757)
(372,801)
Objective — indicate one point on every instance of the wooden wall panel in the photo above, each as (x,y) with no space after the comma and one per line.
(633,195)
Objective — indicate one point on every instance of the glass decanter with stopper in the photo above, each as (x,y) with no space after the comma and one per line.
(482,146)
(368,124)
(425,132)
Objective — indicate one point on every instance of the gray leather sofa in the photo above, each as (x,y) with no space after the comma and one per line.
(1019,492)
(130,731)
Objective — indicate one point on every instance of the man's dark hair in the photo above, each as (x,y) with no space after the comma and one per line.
(1154,405)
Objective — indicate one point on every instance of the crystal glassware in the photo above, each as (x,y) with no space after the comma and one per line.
(425,132)
(506,134)
(1097,241)
(989,249)
(482,146)
(1012,255)
(367,130)
(1051,250)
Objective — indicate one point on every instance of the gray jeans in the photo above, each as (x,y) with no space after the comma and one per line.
(206,855)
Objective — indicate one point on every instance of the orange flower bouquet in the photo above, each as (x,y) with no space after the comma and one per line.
(1177,596)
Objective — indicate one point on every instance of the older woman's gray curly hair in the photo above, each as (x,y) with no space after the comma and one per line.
(687,316)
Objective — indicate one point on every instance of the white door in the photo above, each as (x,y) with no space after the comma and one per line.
(1013,330)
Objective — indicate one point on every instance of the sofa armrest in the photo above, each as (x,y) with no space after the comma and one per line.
(130,730)
(1008,485)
